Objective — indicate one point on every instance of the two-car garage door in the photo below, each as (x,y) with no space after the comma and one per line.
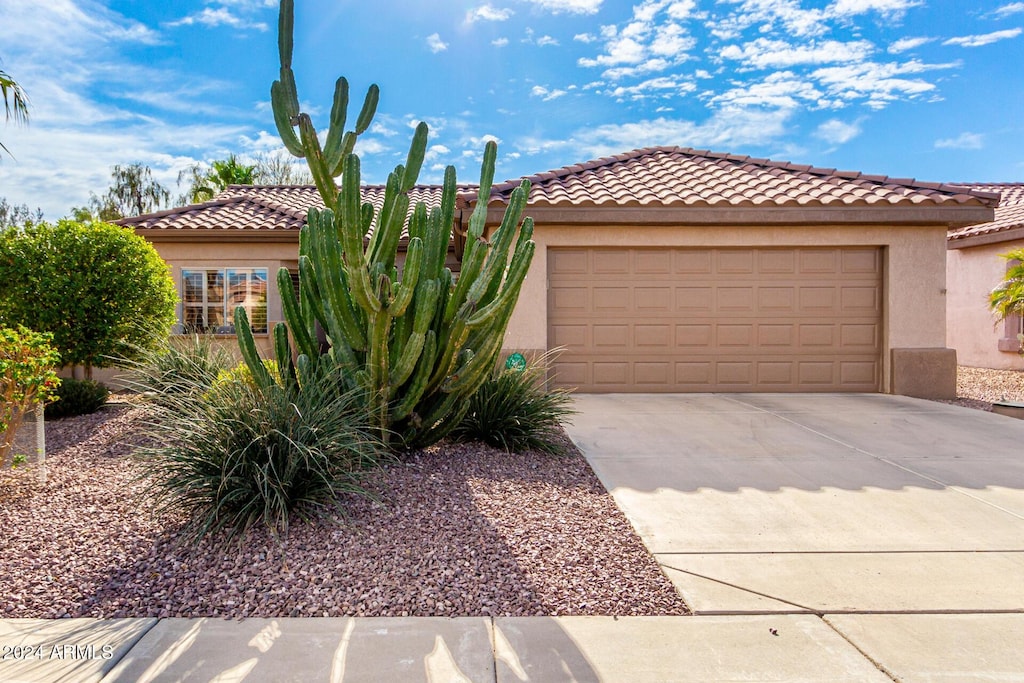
(702,319)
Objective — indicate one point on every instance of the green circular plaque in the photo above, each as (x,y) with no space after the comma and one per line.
(515,362)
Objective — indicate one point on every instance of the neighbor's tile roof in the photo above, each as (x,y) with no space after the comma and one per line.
(1009,213)
(280,208)
(683,177)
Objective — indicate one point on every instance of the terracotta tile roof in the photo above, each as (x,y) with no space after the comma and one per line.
(263,208)
(1009,213)
(683,177)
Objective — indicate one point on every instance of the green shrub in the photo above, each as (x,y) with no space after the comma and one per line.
(515,411)
(179,364)
(100,289)
(77,397)
(248,456)
(27,378)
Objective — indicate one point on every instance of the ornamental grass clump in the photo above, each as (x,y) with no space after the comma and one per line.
(514,410)
(177,365)
(245,455)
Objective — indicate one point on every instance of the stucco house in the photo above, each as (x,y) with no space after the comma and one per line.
(662,269)
(974,266)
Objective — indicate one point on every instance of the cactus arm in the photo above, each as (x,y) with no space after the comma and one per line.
(413,261)
(283,120)
(418,383)
(335,132)
(388,232)
(516,275)
(292,314)
(425,307)
(497,257)
(247,345)
(283,355)
(368,110)
(317,165)
(472,262)
(349,223)
(413,163)
(337,302)
(285,30)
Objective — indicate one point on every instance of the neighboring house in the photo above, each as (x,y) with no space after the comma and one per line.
(974,266)
(664,269)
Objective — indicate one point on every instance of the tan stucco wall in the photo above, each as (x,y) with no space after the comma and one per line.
(914,311)
(971,327)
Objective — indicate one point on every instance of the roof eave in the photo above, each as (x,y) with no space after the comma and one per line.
(997,237)
(950,216)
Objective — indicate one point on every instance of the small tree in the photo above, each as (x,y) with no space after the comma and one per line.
(99,289)
(15,101)
(26,378)
(1008,297)
(206,182)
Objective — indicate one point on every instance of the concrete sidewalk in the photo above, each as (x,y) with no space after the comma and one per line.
(780,647)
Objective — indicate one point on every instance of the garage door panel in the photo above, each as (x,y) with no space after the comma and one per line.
(692,261)
(776,262)
(735,261)
(694,299)
(860,261)
(568,262)
(800,319)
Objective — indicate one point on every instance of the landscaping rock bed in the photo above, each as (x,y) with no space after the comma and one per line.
(981,387)
(457,530)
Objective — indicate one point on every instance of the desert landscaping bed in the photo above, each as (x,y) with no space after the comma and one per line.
(458,529)
(980,387)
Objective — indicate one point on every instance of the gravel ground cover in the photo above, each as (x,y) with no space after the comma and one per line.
(460,529)
(980,387)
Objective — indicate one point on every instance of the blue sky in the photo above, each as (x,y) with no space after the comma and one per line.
(930,89)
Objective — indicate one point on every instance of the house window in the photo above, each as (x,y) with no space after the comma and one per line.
(209,298)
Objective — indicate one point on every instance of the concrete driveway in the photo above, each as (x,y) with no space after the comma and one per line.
(817,503)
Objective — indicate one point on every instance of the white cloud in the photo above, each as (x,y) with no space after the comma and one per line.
(435,151)
(435,43)
(683,9)
(963,141)
(837,132)
(488,13)
(984,39)
(904,44)
(670,40)
(221,16)
(726,129)
(1007,10)
(878,84)
(585,38)
(569,6)
(780,90)
(649,66)
(654,87)
(890,9)
(545,94)
(770,54)
(546,40)
(645,43)
(499,42)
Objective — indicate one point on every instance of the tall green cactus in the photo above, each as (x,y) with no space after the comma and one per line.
(418,345)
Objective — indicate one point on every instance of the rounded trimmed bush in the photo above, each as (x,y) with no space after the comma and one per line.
(77,397)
